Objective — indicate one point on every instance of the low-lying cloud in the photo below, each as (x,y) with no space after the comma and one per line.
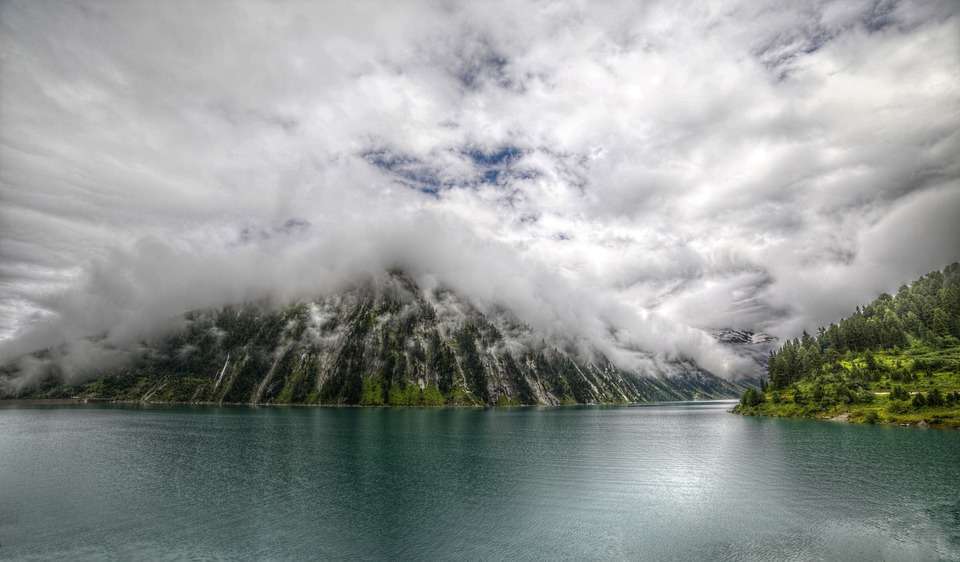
(634,175)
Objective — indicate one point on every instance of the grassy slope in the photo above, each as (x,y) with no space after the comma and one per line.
(946,379)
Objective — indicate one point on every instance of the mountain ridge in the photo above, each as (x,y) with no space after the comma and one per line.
(383,342)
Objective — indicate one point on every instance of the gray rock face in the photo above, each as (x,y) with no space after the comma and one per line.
(383,342)
(743,337)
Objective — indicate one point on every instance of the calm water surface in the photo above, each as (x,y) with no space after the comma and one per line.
(669,482)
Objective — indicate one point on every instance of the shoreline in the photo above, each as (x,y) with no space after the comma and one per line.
(845,417)
(95,401)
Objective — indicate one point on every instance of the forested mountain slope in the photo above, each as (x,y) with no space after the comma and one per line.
(895,360)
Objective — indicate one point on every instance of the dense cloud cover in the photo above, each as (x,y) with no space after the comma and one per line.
(632,173)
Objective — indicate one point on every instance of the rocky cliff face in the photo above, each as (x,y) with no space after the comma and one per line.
(382,342)
(744,337)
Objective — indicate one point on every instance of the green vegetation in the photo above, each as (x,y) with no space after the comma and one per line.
(372,392)
(897,360)
(412,395)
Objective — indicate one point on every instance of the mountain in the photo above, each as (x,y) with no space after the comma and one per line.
(383,342)
(756,346)
(743,337)
(895,360)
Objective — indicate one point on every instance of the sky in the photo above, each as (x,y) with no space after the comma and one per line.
(641,172)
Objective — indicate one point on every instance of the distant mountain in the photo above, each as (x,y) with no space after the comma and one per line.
(384,342)
(743,337)
(754,345)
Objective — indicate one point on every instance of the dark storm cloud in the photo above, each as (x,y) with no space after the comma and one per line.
(650,171)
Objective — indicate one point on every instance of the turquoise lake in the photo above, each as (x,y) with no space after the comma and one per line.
(684,481)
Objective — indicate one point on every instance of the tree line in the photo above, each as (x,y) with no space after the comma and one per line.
(927,311)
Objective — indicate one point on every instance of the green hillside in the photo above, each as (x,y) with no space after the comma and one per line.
(896,360)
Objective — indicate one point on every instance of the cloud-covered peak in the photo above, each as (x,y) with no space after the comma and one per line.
(654,169)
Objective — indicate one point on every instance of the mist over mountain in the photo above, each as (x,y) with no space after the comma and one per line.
(383,341)
(757,346)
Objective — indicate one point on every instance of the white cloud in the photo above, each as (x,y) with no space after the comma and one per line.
(668,167)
